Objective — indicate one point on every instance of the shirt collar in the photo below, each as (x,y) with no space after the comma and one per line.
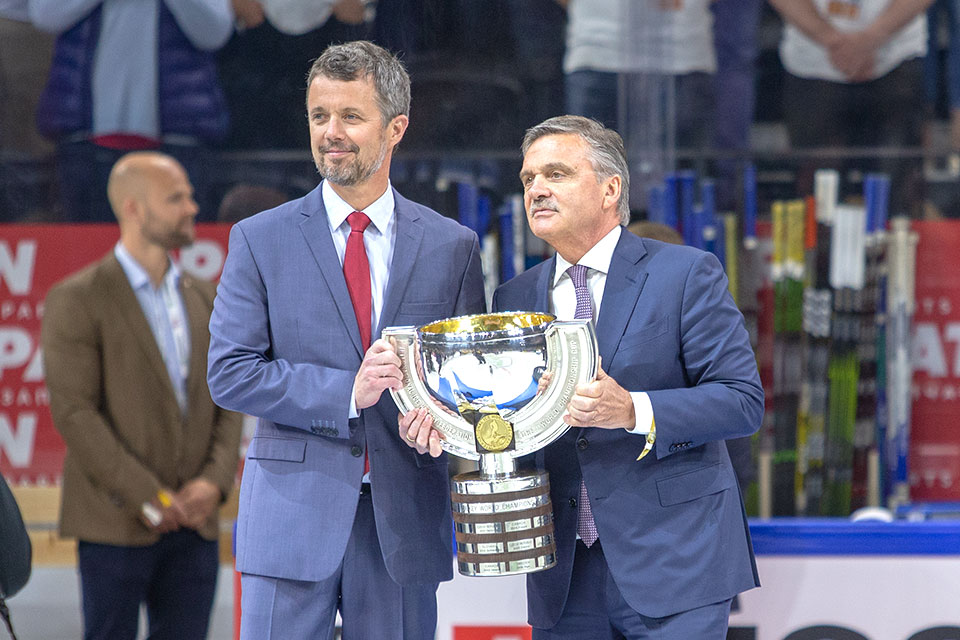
(379,211)
(137,275)
(597,258)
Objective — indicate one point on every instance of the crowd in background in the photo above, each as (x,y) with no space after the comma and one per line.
(84,81)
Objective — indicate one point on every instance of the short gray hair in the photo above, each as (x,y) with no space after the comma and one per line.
(361,59)
(608,157)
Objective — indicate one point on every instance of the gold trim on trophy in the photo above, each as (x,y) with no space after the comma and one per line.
(487,322)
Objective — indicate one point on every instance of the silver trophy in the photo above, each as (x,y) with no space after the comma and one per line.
(482,379)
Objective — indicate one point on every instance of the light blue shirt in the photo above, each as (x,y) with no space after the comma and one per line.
(163,308)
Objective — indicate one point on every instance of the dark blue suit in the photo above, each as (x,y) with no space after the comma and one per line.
(285,347)
(672,525)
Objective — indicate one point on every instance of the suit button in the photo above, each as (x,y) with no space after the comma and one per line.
(356,451)
(582,444)
(573,502)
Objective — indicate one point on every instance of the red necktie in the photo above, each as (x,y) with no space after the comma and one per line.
(356,271)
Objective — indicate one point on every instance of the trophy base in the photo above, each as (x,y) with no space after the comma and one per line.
(504,525)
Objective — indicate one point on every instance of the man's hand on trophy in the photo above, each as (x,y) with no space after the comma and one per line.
(602,403)
(544,382)
(379,371)
(416,429)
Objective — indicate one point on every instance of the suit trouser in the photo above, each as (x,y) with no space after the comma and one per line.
(371,604)
(595,610)
(176,578)
(735,40)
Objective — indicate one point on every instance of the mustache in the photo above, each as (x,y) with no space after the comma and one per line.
(543,202)
(339,147)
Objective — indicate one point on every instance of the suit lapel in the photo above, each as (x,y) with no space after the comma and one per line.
(316,231)
(128,310)
(409,229)
(197,315)
(544,285)
(625,281)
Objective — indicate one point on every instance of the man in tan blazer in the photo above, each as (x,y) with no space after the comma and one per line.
(149,456)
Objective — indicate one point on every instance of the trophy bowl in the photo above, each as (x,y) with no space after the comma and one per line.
(482,379)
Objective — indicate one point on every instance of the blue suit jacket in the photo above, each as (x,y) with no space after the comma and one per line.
(672,525)
(285,347)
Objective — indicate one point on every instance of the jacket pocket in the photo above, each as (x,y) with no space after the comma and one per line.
(693,484)
(267,448)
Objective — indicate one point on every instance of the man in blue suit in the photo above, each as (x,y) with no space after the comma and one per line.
(648,546)
(305,288)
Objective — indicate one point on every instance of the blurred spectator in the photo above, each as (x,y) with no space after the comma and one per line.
(150,458)
(735,25)
(674,38)
(468,77)
(25,56)
(26,162)
(945,13)
(537,31)
(261,67)
(855,79)
(399,25)
(128,76)
(244,200)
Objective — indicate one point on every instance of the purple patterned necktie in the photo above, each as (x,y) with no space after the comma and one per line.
(586,527)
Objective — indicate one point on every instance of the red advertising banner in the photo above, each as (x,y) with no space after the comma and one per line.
(935,425)
(32,259)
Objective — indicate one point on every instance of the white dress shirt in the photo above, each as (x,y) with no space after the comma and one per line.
(378,241)
(563,304)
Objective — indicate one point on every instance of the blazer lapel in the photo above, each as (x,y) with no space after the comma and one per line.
(409,237)
(625,281)
(197,315)
(544,285)
(128,310)
(316,232)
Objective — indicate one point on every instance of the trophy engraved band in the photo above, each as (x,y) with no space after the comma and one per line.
(479,377)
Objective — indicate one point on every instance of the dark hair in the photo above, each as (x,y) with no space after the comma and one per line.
(608,157)
(361,59)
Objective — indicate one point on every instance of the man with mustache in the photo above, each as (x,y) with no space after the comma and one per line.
(649,523)
(336,513)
